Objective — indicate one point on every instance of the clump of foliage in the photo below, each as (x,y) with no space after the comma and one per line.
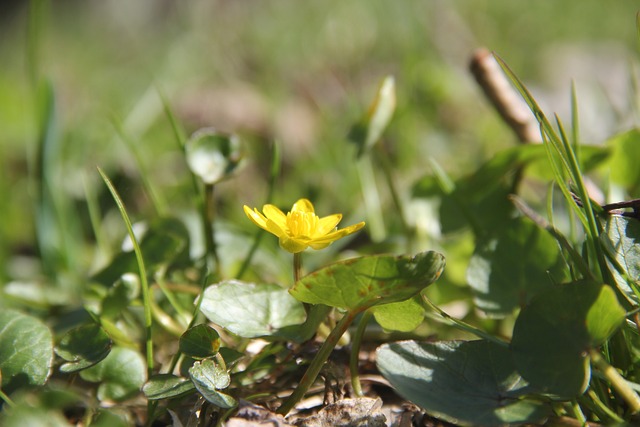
(167,332)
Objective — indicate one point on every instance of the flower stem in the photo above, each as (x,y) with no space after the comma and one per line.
(297,266)
(6,399)
(316,364)
(208,220)
(355,350)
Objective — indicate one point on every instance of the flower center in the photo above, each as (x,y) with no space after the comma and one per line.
(302,224)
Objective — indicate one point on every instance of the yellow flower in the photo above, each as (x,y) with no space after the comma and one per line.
(301,227)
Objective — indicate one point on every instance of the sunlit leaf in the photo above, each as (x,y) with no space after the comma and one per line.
(483,193)
(622,239)
(510,267)
(200,342)
(403,316)
(553,333)
(166,386)
(623,163)
(212,155)
(26,350)
(251,310)
(209,377)
(360,283)
(83,347)
(121,374)
(463,382)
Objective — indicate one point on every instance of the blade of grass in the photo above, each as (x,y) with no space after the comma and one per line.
(148,320)
(577,260)
(593,228)
(567,156)
(158,203)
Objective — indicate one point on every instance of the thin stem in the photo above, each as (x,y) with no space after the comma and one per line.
(371,198)
(617,381)
(6,399)
(297,266)
(387,169)
(208,218)
(602,409)
(273,175)
(463,325)
(316,364)
(355,350)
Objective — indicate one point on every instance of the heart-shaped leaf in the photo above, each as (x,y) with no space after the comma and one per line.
(463,382)
(121,374)
(553,334)
(26,350)
(83,347)
(510,267)
(251,310)
(359,283)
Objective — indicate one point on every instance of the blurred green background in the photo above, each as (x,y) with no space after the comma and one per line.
(300,73)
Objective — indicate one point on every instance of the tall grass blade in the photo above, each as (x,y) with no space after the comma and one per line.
(146,301)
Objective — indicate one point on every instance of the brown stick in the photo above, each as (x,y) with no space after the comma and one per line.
(504,98)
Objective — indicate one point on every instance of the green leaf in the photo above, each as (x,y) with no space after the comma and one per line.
(463,382)
(508,268)
(622,239)
(25,414)
(200,342)
(251,310)
(26,350)
(623,163)
(209,377)
(83,347)
(403,316)
(553,333)
(368,131)
(121,374)
(359,283)
(120,295)
(166,386)
(483,194)
(165,242)
(211,155)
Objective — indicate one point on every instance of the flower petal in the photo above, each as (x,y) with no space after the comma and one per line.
(324,241)
(293,245)
(256,217)
(303,205)
(273,228)
(275,215)
(327,224)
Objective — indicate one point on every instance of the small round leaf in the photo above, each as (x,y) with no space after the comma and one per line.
(200,342)
(83,347)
